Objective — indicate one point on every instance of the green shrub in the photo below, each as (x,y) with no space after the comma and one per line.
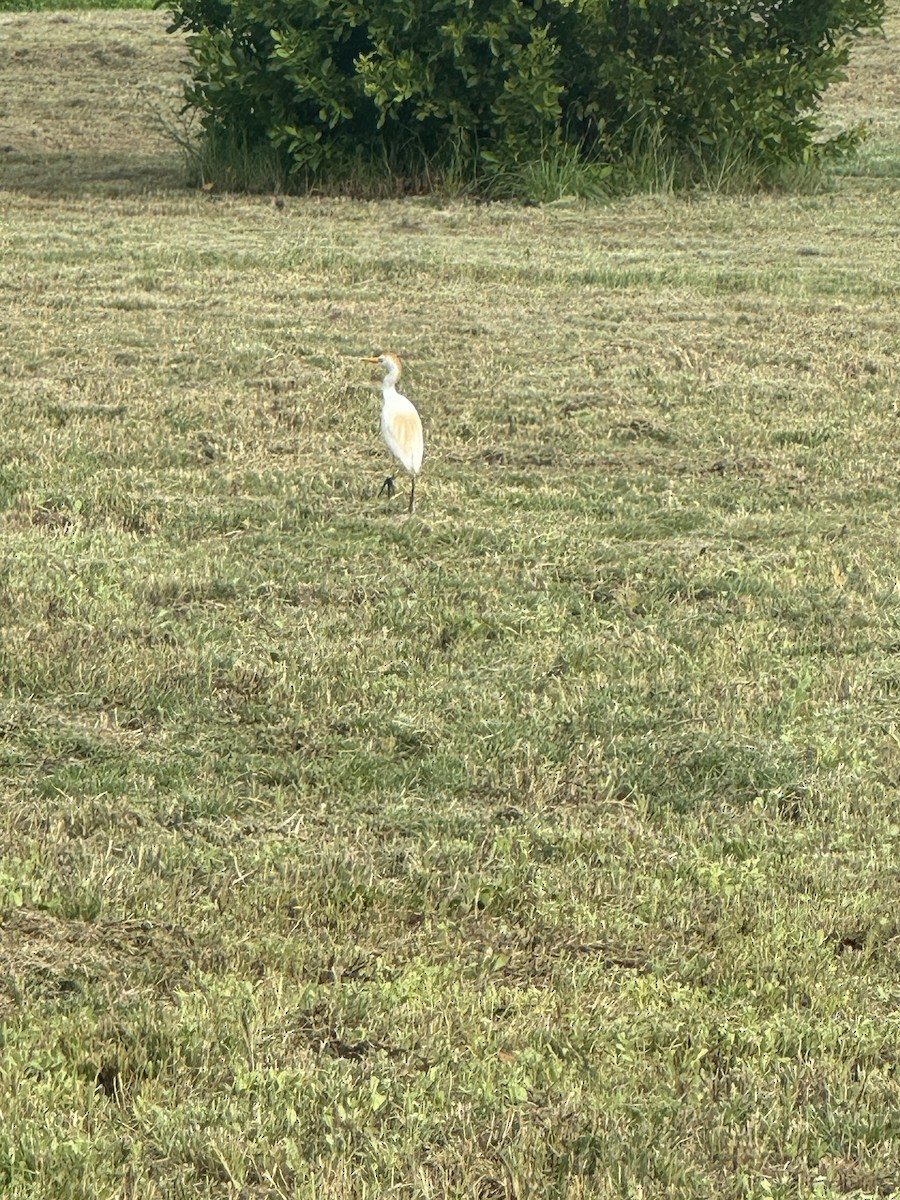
(487,92)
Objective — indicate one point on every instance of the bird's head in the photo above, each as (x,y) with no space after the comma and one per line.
(391,363)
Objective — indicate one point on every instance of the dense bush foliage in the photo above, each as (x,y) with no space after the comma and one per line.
(484,88)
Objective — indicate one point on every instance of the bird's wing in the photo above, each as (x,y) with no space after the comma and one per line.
(402,431)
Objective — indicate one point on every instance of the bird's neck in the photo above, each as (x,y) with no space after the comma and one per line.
(390,380)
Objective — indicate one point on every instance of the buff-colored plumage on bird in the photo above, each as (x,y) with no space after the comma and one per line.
(401,427)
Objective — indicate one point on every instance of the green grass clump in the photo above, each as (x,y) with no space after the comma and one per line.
(538,845)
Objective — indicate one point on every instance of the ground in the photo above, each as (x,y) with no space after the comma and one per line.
(540,844)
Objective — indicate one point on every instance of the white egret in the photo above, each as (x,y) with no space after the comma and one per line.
(401,427)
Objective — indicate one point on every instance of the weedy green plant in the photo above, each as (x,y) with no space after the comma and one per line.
(517,94)
(559,172)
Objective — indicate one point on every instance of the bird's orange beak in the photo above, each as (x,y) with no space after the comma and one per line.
(370,358)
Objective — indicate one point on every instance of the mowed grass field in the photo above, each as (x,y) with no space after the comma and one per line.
(541,844)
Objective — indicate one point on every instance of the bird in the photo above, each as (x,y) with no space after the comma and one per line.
(401,426)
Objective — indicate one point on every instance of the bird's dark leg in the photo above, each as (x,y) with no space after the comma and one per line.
(412,494)
(388,486)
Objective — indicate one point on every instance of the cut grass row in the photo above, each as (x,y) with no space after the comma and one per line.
(50,6)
